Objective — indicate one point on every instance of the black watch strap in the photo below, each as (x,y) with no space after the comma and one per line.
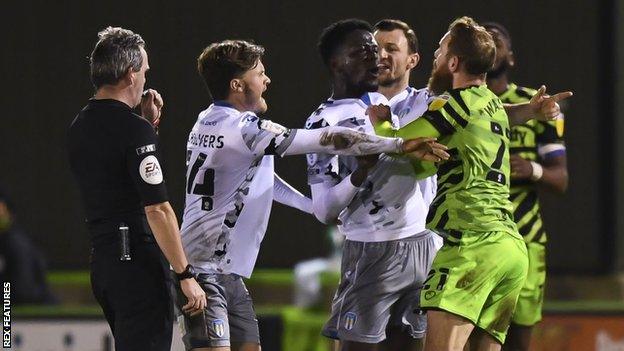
(187,273)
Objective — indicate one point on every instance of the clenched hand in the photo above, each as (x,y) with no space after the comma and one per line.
(195,295)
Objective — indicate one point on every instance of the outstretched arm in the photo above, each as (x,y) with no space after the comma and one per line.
(425,127)
(542,107)
(341,141)
(268,138)
(345,141)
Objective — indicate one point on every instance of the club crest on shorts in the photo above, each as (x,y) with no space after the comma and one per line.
(181,324)
(350,319)
(218,325)
(430,295)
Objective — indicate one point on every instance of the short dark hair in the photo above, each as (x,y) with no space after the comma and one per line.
(332,37)
(116,51)
(494,26)
(388,25)
(472,44)
(221,62)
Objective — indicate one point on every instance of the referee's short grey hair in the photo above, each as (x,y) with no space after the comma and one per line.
(116,51)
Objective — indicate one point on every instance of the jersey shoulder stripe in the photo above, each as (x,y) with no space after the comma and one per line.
(439,122)
(456,94)
(450,110)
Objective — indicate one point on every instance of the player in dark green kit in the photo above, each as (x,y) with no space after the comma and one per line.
(477,276)
(538,155)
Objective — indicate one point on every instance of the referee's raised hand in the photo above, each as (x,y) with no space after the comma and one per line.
(195,295)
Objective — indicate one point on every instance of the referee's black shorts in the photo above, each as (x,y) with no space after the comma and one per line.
(135,295)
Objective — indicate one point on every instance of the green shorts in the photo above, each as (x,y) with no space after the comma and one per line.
(529,308)
(478,276)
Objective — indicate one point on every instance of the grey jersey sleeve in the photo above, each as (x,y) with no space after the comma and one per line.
(265,137)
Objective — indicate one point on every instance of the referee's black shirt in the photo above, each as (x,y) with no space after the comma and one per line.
(112,153)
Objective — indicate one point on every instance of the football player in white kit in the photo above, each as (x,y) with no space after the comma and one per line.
(231,184)
(398,55)
(379,206)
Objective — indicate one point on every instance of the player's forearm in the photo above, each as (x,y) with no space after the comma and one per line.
(341,141)
(416,129)
(164,225)
(519,113)
(285,194)
(328,202)
(555,178)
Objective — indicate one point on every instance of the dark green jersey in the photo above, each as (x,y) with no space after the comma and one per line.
(473,185)
(533,141)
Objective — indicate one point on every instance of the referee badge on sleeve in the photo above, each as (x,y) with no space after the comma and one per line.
(145,149)
(150,170)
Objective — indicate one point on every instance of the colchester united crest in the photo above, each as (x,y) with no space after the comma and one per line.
(350,319)
(219,327)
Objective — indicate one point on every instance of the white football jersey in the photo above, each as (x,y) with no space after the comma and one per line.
(408,106)
(229,189)
(389,205)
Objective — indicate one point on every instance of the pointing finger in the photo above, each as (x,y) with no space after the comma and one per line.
(561,96)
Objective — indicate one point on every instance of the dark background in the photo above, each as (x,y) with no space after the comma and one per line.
(564,44)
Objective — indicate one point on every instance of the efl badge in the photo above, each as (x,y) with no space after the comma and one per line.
(350,319)
(438,102)
(219,327)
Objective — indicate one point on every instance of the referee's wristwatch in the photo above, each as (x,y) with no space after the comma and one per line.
(187,273)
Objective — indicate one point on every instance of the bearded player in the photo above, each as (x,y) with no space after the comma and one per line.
(470,283)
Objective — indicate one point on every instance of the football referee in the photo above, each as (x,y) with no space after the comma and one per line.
(113,155)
